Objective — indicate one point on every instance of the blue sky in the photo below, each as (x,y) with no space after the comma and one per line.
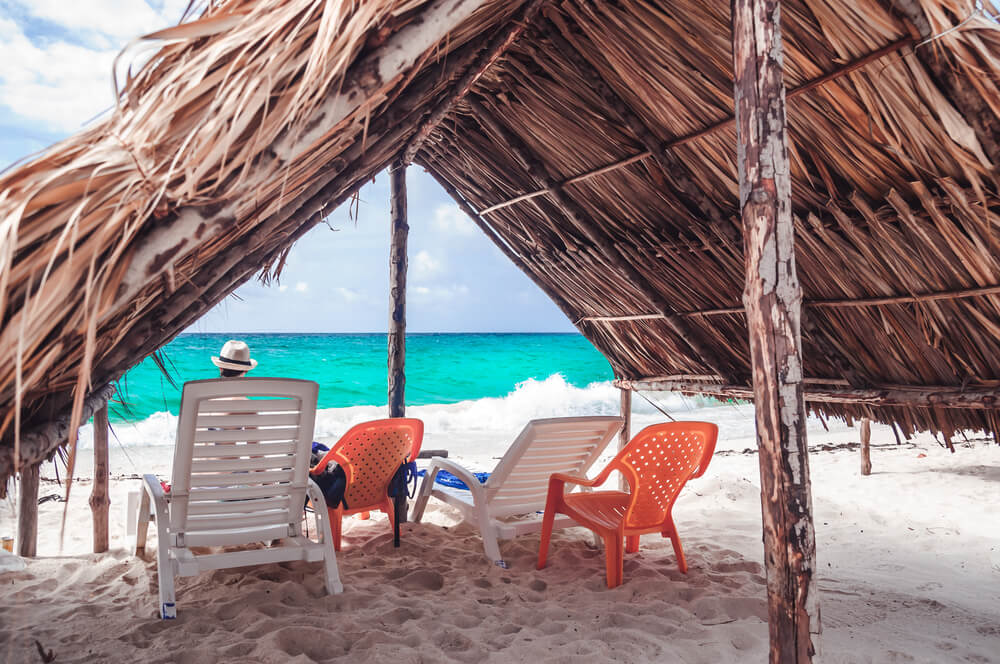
(56,77)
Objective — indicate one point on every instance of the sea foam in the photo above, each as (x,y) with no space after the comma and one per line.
(499,416)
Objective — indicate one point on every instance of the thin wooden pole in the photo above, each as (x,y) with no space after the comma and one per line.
(866,450)
(100,503)
(397,310)
(625,434)
(27,512)
(772,298)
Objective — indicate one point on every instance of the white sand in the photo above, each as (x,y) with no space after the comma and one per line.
(909,571)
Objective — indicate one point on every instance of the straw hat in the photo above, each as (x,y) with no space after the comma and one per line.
(234,355)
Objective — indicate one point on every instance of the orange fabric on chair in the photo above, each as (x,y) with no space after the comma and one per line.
(656,464)
(370,454)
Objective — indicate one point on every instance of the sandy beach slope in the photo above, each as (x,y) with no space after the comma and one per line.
(909,572)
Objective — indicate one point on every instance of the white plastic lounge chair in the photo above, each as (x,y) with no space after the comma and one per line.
(519,483)
(240,476)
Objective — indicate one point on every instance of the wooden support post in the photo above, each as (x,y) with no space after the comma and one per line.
(772,298)
(866,450)
(100,503)
(625,434)
(27,512)
(397,310)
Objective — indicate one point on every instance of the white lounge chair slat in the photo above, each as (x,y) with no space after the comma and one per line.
(238,479)
(199,508)
(245,435)
(237,537)
(519,483)
(568,438)
(232,521)
(226,406)
(231,559)
(261,420)
(242,450)
(239,492)
(235,464)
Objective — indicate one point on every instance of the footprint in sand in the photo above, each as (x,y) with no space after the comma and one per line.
(538,584)
(400,616)
(423,579)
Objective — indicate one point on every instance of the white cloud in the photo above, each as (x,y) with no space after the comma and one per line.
(282,288)
(449,218)
(347,294)
(121,21)
(61,86)
(64,82)
(441,293)
(426,266)
(301,287)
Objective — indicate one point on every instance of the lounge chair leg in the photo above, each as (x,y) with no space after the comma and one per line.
(165,572)
(426,486)
(141,527)
(631,544)
(614,559)
(491,545)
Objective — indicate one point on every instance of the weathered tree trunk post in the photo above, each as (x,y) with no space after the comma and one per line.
(397,309)
(27,512)
(626,433)
(772,298)
(866,450)
(100,503)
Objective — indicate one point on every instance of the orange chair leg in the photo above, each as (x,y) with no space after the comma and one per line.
(548,520)
(631,544)
(614,559)
(679,552)
(675,539)
(336,523)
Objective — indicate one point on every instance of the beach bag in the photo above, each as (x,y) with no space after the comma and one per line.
(332,481)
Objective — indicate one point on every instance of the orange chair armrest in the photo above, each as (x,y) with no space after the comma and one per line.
(562,478)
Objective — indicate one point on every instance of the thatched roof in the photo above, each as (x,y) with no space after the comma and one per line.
(598,152)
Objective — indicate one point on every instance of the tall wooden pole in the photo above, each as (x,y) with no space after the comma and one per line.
(772,298)
(27,512)
(625,434)
(100,503)
(397,310)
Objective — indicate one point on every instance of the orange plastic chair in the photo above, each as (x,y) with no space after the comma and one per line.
(656,463)
(370,454)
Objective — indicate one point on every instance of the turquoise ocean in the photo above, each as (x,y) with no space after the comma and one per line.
(351,368)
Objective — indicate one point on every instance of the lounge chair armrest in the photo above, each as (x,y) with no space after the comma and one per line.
(157,495)
(461,472)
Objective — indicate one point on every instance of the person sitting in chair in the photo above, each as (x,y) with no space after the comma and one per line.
(234,359)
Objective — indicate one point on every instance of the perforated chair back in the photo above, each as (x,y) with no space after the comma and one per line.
(658,462)
(371,453)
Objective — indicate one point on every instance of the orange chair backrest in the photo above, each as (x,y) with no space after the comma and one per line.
(657,463)
(371,452)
